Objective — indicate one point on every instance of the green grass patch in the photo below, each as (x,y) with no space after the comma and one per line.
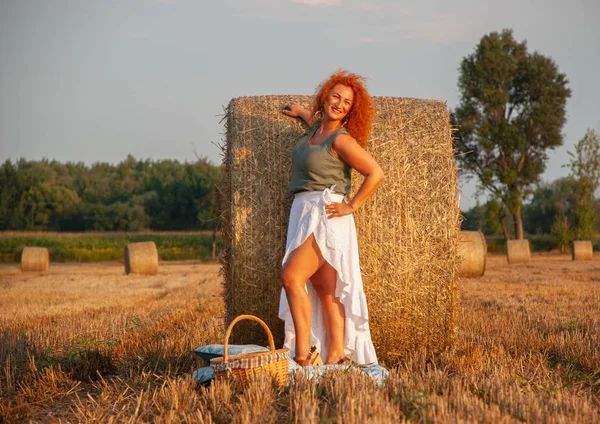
(95,247)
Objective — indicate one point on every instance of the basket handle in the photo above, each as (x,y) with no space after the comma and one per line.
(238,319)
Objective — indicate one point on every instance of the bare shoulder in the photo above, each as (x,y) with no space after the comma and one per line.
(344,141)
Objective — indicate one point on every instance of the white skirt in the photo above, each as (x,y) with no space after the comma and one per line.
(336,238)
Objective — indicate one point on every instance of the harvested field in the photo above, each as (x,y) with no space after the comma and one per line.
(86,343)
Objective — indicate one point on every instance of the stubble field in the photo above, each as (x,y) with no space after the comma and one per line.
(85,343)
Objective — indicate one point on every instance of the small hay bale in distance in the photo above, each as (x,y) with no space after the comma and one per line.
(35,259)
(472,249)
(518,252)
(582,250)
(407,232)
(141,258)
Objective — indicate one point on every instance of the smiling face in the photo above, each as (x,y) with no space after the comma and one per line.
(338,103)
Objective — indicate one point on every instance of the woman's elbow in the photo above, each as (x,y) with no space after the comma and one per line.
(379,175)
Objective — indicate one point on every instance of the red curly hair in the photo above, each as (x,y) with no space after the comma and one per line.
(361,114)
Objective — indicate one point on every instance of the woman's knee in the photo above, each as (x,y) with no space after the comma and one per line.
(291,281)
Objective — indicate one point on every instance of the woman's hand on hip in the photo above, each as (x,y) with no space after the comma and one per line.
(338,209)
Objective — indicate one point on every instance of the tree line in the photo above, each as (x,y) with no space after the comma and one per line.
(566,207)
(511,113)
(132,195)
(551,209)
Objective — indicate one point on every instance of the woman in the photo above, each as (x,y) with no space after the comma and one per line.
(322,301)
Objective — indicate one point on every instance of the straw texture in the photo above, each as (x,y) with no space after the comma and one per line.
(407,232)
(582,250)
(472,249)
(35,259)
(141,258)
(518,252)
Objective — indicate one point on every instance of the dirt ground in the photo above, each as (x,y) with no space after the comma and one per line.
(543,268)
(526,351)
(74,287)
(552,288)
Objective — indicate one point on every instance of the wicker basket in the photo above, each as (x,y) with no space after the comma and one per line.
(244,366)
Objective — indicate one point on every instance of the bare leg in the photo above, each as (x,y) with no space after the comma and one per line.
(301,265)
(334,315)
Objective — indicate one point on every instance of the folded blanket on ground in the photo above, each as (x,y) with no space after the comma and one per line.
(206,374)
(211,351)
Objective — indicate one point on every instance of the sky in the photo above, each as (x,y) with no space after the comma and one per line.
(97,80)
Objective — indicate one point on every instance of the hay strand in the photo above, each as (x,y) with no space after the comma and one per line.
(582,250)
(472,249)
(518,252)
(141,258)
(407,232)
(35,259)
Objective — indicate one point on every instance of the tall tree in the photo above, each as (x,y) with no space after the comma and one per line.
(11,186)
(490,218)
(549,200)
(585,168)
(511,112)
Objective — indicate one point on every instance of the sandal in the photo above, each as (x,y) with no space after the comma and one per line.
(344,361)
(312,360)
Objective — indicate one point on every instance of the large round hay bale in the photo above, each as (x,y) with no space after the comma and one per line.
(35,259)
(141,258)
(582,250)
(518,252)
(407,232)
(472,250)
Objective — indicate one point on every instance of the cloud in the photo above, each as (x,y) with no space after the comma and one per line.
(319,2)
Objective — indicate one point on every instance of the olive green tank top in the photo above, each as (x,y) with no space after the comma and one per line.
(315,168)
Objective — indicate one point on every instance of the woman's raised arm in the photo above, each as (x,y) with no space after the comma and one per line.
(297,111)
